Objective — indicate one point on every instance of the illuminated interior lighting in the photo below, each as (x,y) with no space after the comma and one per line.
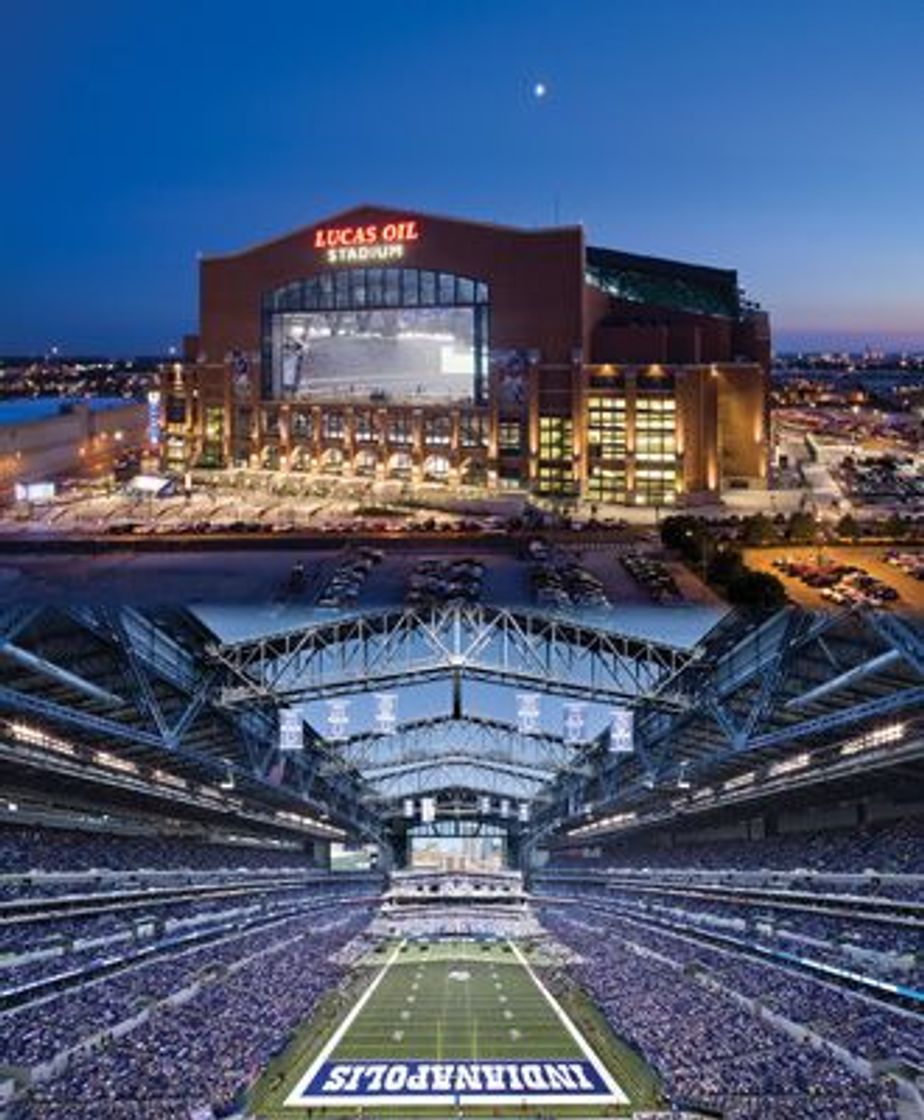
(878,737)
(788,765)
(740,781)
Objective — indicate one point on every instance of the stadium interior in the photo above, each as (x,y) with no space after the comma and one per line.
(462,860)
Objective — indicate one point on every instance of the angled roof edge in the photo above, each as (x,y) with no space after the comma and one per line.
(525,231)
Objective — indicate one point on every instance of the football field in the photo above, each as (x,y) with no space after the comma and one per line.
(453,1024)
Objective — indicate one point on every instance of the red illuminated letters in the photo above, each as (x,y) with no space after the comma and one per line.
(393,233)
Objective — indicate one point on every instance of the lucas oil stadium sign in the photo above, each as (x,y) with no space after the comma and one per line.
(452,1082)
(355,244)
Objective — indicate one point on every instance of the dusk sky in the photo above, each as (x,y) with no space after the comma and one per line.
(783,139)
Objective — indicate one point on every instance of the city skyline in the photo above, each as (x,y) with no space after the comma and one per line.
(772,141)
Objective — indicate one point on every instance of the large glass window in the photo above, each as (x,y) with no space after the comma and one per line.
(656,428)
(399,429)
(656,486)
(555,437)
(606,426)
(301,425)
(606,484)
(473,430)
(332,425)
(437,431)
(385,333)
(509,436)
(363,426)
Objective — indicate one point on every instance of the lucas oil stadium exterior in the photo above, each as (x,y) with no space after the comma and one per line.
(384,344)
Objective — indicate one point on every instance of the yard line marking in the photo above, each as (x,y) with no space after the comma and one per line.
(582,1042)
(334,1040)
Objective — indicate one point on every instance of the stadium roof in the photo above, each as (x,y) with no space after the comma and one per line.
(156,703)
(658,282)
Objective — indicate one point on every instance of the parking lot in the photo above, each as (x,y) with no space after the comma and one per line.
(326,580)
(841,576)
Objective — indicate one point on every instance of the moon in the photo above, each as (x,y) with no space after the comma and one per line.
(540,89)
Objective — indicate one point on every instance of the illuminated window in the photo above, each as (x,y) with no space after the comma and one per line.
(509,436)
(301,425)
(438,431)
(555,438)
(472,430)
(399,429)
(364,427)
(606,427)
(655,428)
(656,486)
(332,425)
(606,484)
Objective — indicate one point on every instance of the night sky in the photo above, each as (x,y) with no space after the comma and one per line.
(784,139)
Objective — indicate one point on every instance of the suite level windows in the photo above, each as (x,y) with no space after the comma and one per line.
(332,426)
(655,487)
(557,480)
(510,437)
(301,425)
(473,430)
(656,428)
(400,430)
(364,427)
(438,431)
(605,484)
(606,426)
(556,437)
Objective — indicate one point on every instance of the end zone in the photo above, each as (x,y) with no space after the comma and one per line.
(379,1082)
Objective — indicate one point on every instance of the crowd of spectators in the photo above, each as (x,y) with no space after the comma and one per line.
(896,848)
(883,947)
(38,952)
(710,1051)
(43,1029)
(25,849)
(202,1055)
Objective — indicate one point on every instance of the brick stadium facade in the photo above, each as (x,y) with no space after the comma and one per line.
(573,371)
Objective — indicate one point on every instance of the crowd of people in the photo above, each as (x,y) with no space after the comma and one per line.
(64,949)
(25,848)
(896,848)
(710,1051)
(884,947)
(202,1055)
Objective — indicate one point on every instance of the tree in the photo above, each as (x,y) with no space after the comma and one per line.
(895,526)
(725,567)
(802,528)
(757,530)
(848,527)
(687,535)
(756,589)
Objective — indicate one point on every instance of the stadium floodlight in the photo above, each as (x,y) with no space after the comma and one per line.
(408,808)
(524,812)
(622,731)
(291,730)
(427,810)
(485,806)
(505,807)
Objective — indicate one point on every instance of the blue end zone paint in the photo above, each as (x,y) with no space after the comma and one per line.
(413,1078)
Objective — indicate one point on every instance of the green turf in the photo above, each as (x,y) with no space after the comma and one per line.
(418,1010)
(456,1000)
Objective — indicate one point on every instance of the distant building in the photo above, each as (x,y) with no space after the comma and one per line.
(387,344)
(44,439)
